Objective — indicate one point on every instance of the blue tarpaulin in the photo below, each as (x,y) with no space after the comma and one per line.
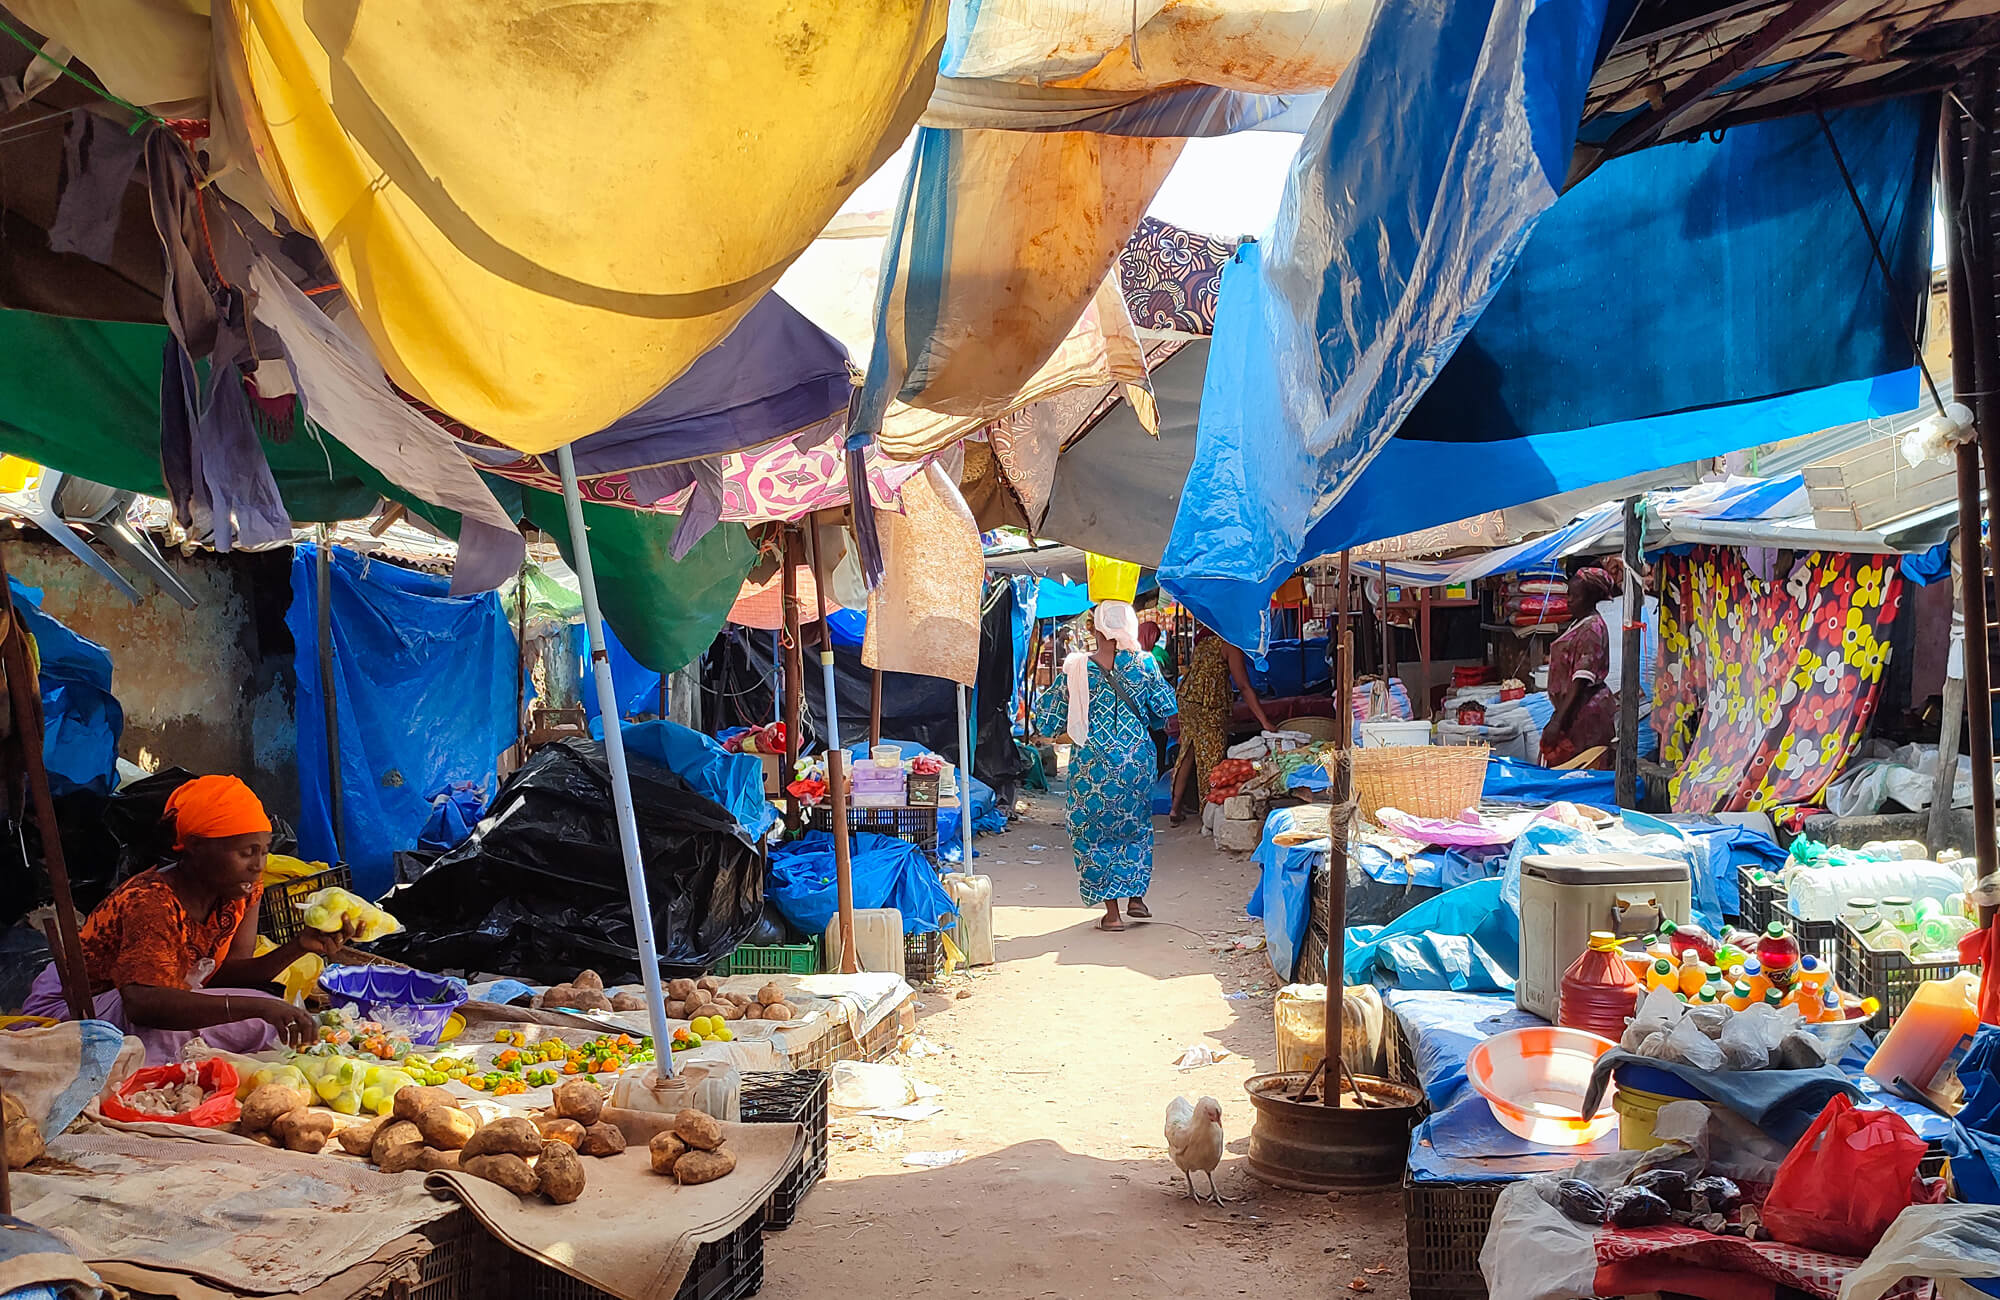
(423,683)
(81,719)
(1758,315)
(736,781)
(455,811)
(1467,940)
(637,686)
(887,873)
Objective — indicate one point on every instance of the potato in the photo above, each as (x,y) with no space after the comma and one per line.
(698,1129)
(580,1100)
(703,1167)
(602,1139)
(433,1161)
(267,1103)
(359,1139)
(446,1127)
(414,1101)
(730,1011)
(304,1130)
(589,1000)
(770,994)
(509,1171)
(559,996)
(677,1010)
(780,1011)
(266,1140)
(755,1011)
(514,1135)
(712,983)
(589,979)
(628,1002)
(396,1133)
(665,1150)
(402,1159)
(566,1131)
(560,1172)
(23,1141)
(680,990)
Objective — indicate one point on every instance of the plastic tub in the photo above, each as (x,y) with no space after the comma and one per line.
(887,755)
(1534,1080)
(1638,1110)
(1379,732)
(412,1002)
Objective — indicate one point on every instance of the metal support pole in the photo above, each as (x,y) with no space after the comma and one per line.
(329,700)
(825,639)
(1965,377)
(793,655)
(621,781)
(1628,687)
(964,785)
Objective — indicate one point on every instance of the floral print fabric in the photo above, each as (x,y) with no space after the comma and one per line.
(1765,688)
(1172,278)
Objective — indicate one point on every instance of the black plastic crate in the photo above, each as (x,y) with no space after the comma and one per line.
(1444,1226)
(468,1263)
(277,919)
(790,1097)
(1759,903)
(923,957)
(1820,939)
(1891,978)
(916,826)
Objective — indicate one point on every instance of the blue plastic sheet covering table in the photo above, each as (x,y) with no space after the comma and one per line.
(1461,1142)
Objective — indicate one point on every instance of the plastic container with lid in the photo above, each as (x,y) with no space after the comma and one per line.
(1564,898)
(1940,1014)
(1599,991)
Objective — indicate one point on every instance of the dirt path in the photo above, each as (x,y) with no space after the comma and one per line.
(1055,1078)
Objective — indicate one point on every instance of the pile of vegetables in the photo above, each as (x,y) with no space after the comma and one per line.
(586,993)
(522,1066)
(695,999)
(1662,1195)
(691,1151)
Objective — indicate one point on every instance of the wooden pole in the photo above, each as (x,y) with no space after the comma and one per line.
(6,1187)
(25,696)
(789,651)
(1965,376)
(1336,846)
(1627,758)
(1937,834)
(875,710)
(843,860)
(520,657)
(329,699)
(1424,648)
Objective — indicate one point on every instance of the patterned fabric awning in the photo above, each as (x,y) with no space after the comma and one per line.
(1172,277)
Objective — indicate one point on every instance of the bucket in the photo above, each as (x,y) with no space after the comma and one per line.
(1112,579)
(1378,732)
(1637,1111)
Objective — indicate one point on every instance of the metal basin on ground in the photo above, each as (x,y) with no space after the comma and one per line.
(1310,1147)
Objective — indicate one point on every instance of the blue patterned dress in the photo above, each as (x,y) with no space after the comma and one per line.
(1111,777)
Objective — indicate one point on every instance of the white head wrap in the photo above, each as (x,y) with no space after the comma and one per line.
(1119,624)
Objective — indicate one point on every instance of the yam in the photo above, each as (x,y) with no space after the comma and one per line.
(514,1135)
(755,1011)
(770,994)
(703,1167)
(665,1150)
(509,1171)
(23,1140)
(680,990)
(602,1139)
(402,1159)
(560,1173)
(698,1129)
(712,983)
(580,1100)
(265,1104)
(628,1002)
(730,1011)
(780,1011)
(414,1101)
(556,1129)
(266,1140)
(559,996)
(396,1133)
(589,1000)
(433,1161)
(446,1127)
(304,1130)
(589,979)
(359,1139)
(677,1010)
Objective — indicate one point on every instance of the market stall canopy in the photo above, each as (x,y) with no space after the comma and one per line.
(1484,355)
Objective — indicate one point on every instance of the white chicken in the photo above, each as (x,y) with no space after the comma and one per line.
(1194,1139)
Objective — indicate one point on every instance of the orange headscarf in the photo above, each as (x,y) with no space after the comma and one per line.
(213,808)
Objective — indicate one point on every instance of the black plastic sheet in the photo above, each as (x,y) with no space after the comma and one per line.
(538,891)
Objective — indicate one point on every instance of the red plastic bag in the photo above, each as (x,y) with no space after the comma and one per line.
(216,1076)
(1846,1181)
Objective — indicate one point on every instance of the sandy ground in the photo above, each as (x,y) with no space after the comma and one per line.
(1055,1075)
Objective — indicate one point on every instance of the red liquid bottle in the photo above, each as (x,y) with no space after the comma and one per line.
(1599,991)
(1778,954)
(1683,936)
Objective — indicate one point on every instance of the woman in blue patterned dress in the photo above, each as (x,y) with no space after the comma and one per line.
(1110,699)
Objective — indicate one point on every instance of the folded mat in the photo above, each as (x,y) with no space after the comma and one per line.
(632,1232)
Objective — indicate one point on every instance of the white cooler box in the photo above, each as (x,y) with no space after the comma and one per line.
(1566,897)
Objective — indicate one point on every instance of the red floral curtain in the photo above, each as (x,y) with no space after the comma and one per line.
(1766,686)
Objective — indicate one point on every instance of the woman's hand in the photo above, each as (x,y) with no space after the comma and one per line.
(325,943)
(295,1025)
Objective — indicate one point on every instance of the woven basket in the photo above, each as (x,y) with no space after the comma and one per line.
(1422,780)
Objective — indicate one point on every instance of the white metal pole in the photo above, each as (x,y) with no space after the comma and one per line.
(621,781)
(964,785)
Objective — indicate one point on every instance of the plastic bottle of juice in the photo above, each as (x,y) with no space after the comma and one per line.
(1774,997)
(1727,955)
(1694,973)
(1753,975)
(1778,955)
(1689,935)
(1813,979)
(1940,1014)
(1710,994)
(1599,991)
(1641,963)
(1738,998)
(1663,974)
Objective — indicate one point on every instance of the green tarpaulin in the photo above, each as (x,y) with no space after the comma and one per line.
(83,397)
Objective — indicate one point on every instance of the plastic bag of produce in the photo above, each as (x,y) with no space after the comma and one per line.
(200,1096)
(334,907)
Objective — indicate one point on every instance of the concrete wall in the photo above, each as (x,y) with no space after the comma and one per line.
(208,689)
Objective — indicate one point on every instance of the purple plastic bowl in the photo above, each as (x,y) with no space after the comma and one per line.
(411,1002)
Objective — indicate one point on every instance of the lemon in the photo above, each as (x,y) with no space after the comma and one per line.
(348,1102)
(722,1034)
(375,1099)
(328,1088)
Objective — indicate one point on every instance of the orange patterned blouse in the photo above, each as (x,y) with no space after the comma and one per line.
(142,934)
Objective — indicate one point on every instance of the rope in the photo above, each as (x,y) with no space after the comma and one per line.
(140,116)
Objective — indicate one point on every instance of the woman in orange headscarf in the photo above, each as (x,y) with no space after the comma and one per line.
(170,952)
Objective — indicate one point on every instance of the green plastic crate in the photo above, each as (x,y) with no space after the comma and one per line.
(774,959)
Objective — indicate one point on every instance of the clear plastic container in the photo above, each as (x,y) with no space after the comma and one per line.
(1901,912)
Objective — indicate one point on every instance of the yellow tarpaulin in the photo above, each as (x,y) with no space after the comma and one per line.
(543,212)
